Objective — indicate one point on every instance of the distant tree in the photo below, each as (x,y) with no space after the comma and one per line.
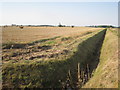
(59,25)
(105,26)
(13,24)
(29,25)
(72,26)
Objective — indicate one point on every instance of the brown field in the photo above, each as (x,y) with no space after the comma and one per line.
(42,53)
(29,34)
(18,42)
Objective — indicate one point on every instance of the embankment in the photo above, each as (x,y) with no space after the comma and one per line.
(106,74)
(72,72)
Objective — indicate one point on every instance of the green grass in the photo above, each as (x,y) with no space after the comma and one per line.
(41,73)
(44,40)
(50,43)
(106,72)
(8,45)
(66,38)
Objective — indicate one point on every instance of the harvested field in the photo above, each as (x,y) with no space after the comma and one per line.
(59,57)
(51,48)
(30,34)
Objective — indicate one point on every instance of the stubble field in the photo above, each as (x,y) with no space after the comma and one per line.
(59,57)
(29,34)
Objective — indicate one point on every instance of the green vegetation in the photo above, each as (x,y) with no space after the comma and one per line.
(104,26)
(50,43)
(44,40)
(52,73)
(106,73)
(65,38)
(9,45)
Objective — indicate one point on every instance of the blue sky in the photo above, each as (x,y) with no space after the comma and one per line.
(68,13)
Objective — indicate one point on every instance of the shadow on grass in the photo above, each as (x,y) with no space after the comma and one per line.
(56,73)
(12,45)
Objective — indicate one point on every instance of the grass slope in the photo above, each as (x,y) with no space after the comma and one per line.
(51,73)
(106,74)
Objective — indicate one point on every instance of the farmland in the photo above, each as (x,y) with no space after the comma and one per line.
(30,34)
(59,40)
(56,57)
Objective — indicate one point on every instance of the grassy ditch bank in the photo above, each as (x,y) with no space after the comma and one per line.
(72,72)
(106,74)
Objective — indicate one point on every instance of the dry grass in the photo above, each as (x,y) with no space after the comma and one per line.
(57,48)
(54,57)
(29,34)
(106,73)
(40,73)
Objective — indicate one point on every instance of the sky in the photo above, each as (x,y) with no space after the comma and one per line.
(53,13)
